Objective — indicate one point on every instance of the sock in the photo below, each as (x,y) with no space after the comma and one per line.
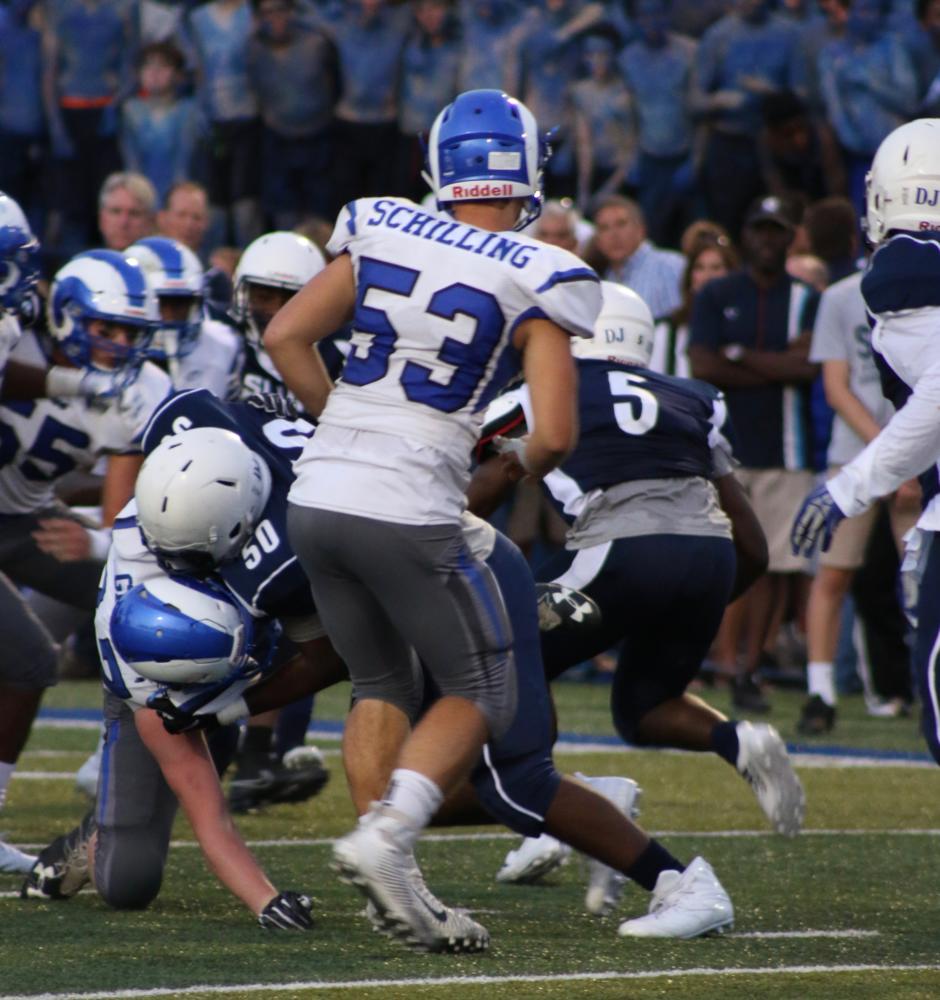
(647,867)
(820,679)
(414,797)
(6,771)
(725,741)
(257,739)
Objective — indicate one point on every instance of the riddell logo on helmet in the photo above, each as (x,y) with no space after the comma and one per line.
(482,191)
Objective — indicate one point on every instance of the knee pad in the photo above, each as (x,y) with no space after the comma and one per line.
(517,792)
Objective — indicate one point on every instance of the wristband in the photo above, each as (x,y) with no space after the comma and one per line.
(62,382)
(238,709)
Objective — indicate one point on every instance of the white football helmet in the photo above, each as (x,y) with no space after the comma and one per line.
(173,272)
(199,496)
(903,185)
(178,631)
(623,330)
(19,260)
(278,260)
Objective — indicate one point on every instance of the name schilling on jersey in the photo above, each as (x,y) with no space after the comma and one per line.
(413,222)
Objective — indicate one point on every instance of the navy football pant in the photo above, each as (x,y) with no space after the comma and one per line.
(661,599)
(927,645)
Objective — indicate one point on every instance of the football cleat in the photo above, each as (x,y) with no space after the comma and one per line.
(533,859)
(561,606)
(605,884)
(684,905)
(747,695)
(816,717)
(764,764)
(13,861)
(262,779)
(61,868)
(399,904)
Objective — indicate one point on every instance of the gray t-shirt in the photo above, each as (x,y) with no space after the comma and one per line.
(842,333)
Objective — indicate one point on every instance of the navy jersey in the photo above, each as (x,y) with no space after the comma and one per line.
(260,375)
(265,576)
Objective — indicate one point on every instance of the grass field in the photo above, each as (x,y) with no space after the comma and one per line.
(851,908)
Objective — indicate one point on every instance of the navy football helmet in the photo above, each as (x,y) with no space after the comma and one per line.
(485,144)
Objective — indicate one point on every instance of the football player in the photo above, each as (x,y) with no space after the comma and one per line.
(92,402)
(199,352)
(903,298)
(646,493)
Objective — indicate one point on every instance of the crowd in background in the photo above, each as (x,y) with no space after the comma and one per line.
(673,123)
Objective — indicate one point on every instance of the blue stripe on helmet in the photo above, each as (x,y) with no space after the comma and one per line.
(167,252)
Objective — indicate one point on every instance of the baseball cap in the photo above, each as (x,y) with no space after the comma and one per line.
(769,208)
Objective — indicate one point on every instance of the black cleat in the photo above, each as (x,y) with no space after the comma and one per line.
(816,717)
(61,868)
(263,779)
(746,695)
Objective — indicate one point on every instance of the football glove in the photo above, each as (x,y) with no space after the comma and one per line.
(288,911)
(816,520)
(273,403)
(175,719)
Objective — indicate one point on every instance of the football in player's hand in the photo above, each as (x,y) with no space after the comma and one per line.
(565,607)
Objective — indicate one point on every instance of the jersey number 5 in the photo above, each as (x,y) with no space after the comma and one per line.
(469,359)
(639,413)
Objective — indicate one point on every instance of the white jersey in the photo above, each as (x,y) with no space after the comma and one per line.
(437,304)
(42,440)
(214,363)
(129,563)
(9,336)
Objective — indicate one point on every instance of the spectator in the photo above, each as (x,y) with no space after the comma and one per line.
(22,123)
(88,59)
(797,152)
(809,269)
(632,260)
(429,75)
(832,227)
(604,122)
(706,260)
(486,28)
(369,36)
(868,89)
(924,47)
(185,215)
(748,54)
(817,33)
(842,344)
(702,231)
(160,130)
(220,31)
(126,209)
(750,337)
(558,225)
(292,66)
(657,69)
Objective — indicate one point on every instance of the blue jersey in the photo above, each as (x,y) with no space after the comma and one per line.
(266,576)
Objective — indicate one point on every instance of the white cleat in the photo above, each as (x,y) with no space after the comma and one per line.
(684,905)
(605,884)
(533,859)
(13,861)
(765,765)
(373,859)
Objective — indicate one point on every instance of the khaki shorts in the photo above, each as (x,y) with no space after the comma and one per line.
(851,536)
(776,495)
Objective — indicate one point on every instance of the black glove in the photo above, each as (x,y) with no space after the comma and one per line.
(289,911)
(273,403)
(175,720)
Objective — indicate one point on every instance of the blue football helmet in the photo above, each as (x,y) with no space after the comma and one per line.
(173,272)
(179,631)
(485,144)
(19,261)
(101,284)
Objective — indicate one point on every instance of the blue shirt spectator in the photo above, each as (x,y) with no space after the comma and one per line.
(220,31)
(20,71)
(430,67)
(159,131)
(486,26)
(867,79)
(742,57)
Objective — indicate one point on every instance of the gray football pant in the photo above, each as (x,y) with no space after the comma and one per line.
(387,590)
(27,650)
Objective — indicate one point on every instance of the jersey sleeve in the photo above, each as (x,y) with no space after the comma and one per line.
(346,228)
(134,408)
(567,292)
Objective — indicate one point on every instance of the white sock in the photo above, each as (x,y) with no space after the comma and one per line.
(820,679)
(6,771)
(413,796)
